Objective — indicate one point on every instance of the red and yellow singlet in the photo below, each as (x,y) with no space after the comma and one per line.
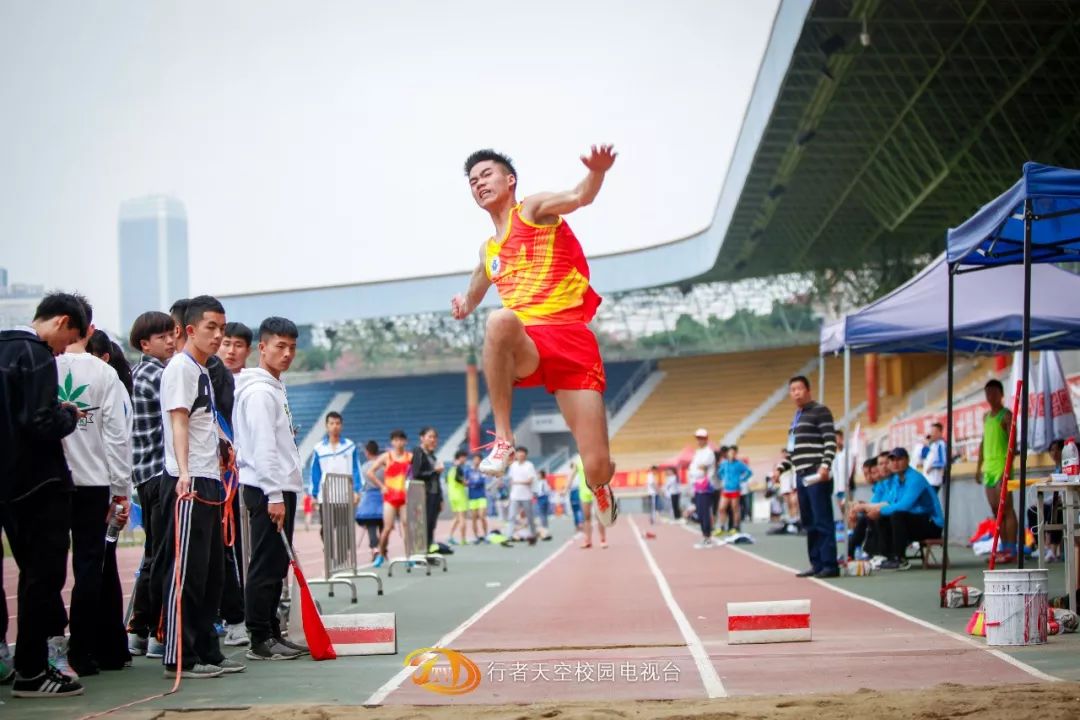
(394,477)
(541,273)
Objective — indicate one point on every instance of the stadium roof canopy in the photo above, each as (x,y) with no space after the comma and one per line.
(877,144)
(850,152)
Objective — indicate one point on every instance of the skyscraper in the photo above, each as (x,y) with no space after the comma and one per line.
(153,255)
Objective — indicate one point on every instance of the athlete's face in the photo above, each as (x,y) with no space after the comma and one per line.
(333,427)
(490,183)
(277,352)
(160,346)
(398,443)
(207,333)
(234,353)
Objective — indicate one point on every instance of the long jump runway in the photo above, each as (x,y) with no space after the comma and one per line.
(646,619)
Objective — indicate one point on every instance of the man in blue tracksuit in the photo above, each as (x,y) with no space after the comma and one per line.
(911,511)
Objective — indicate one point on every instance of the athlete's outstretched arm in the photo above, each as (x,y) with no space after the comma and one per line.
(462,305)
(546,207)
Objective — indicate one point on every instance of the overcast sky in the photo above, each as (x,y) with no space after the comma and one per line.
(317,142)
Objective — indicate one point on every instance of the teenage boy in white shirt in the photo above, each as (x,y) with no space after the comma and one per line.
(193,465)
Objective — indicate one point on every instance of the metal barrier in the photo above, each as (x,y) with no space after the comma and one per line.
(337,512)
(416,547)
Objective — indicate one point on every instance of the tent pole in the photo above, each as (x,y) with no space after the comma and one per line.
(847,386)
(947,482)
(1026,361)
(821,376)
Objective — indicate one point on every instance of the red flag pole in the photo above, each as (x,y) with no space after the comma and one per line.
(318,639)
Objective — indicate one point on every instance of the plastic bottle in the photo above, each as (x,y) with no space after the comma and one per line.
(1070,458)
(114,524)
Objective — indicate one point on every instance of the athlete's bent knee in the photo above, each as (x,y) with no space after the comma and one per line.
(502,321)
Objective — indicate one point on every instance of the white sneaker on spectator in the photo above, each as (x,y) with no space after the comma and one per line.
(155,649)
(706,543)
(58,647)
(136,645)
(236,635)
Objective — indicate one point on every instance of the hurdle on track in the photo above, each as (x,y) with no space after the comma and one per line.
(338,512)
(416,547)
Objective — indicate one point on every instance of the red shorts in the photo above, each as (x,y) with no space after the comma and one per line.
(569,359)
(731,494)
(394,497)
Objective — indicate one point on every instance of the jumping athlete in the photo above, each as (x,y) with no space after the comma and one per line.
(395,464)
(540,336)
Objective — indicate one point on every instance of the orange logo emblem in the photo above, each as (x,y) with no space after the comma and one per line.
(443,671)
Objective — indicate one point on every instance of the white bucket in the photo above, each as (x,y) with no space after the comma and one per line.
(1016,607)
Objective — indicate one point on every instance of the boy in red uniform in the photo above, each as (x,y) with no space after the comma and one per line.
(540,336)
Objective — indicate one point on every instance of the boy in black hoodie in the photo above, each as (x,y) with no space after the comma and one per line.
(35,483)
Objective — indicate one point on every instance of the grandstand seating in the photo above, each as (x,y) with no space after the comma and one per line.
(528,399)
(770,433)
(714,391)
(307,402)
(380,404)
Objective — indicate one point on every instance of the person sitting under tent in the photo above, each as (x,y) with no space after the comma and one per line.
(910,513)
(865,533)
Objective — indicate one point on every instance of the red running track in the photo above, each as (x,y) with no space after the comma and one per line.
(602,609)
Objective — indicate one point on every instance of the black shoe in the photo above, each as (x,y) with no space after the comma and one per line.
(84,666)
(831,573)
(48,684)
(810,572)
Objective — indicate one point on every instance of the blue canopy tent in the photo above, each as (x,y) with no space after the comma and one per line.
(988,317)
(1037,220)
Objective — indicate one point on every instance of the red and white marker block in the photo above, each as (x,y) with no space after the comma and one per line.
(768,622)
(362,633)
(353,634)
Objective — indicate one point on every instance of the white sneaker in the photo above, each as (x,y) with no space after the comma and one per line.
(58,647)
(607,508)
(155,649)
(498,460)
(136,645)
(236,635)
(706,543)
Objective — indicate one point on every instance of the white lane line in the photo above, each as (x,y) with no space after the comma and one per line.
(394,683)
(714,687)
(1003,656)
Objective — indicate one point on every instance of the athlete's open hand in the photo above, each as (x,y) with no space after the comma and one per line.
(459,307)
(600,159)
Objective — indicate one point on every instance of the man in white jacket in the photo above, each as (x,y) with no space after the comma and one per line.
(99,455)
(271,480)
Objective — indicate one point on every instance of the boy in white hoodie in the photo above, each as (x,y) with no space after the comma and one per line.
(99,455)
(271,480)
